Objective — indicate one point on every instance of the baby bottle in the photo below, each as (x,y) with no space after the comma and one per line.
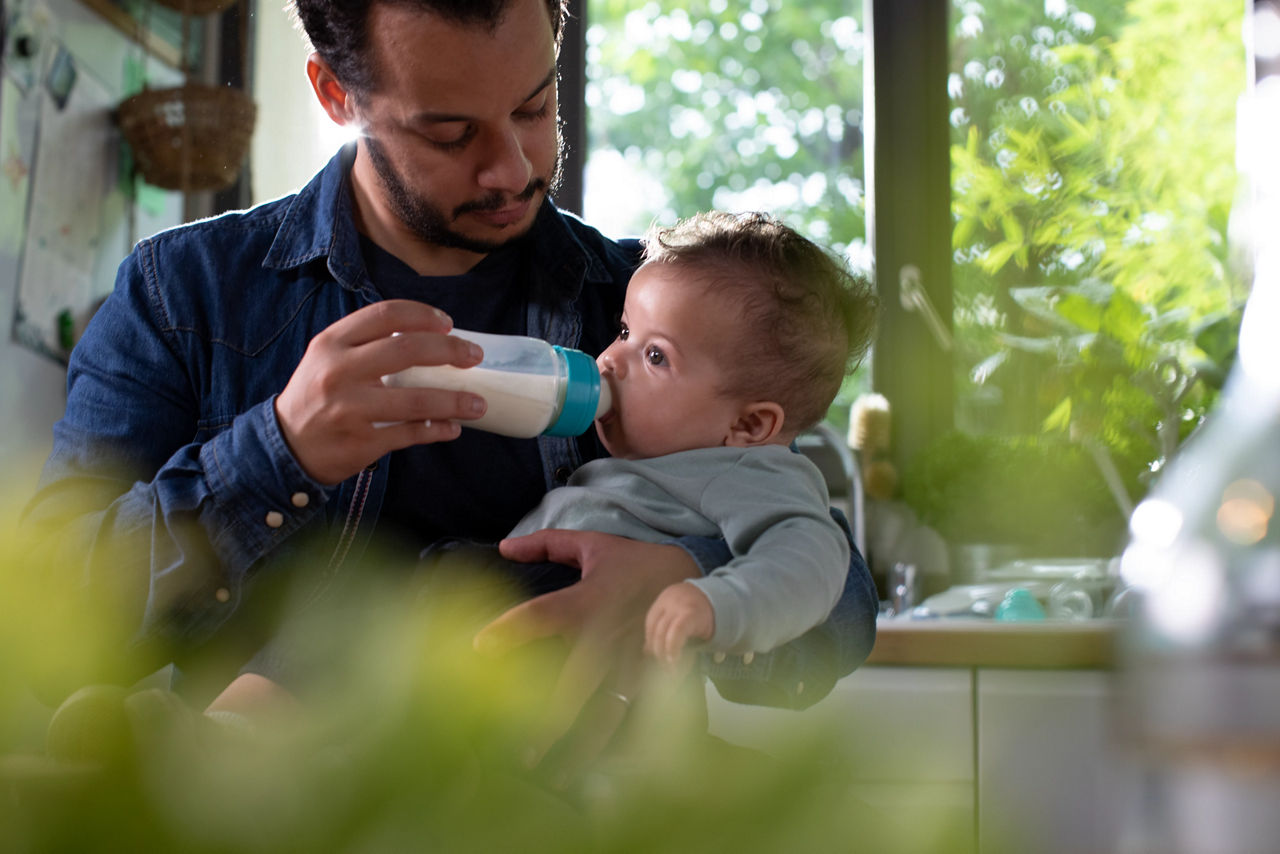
(531,387)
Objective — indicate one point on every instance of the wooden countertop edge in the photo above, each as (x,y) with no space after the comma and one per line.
(965,643)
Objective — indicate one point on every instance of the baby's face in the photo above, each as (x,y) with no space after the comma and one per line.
(665,367)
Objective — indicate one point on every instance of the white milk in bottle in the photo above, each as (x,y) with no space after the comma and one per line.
(531,387)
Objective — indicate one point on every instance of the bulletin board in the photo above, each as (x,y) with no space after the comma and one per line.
(67,198)
(71,160)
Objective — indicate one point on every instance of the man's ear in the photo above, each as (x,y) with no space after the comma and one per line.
(334,98)
(758,423)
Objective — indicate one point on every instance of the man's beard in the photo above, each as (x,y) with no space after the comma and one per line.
(429,223)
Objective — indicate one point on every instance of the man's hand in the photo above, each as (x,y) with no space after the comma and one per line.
(680,612)
(602,617)
(336,414)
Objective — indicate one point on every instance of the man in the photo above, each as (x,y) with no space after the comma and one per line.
(225,417)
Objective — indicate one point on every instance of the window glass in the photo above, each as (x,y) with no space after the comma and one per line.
(1097,286)
(700,104)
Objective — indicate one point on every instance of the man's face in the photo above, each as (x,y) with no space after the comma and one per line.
(461,129)
(666,367)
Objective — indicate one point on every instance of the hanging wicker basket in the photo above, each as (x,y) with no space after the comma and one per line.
(190,138)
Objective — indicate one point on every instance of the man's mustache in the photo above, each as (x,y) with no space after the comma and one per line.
(496,201)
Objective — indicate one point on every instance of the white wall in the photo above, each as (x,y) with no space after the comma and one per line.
(32,391)
(293,138)
(32,387)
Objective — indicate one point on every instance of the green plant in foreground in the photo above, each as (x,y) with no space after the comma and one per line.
(407,741)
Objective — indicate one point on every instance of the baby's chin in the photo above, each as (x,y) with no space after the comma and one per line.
(614,442)
(603,431)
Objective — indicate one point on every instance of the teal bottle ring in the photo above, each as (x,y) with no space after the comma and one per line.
(581,396)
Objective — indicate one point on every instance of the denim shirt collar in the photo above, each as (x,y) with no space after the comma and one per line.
(320,222)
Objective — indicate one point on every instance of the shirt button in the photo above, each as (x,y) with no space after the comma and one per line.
(275,519)
(748,657)
(718,657)
(222,594)
(562,474)
(300,499)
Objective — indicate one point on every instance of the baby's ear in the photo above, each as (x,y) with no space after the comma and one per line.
(758,423)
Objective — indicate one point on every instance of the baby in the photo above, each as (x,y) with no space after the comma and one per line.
(735,337)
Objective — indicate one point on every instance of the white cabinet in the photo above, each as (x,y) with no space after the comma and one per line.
(963,760)
(1047,765)
(904,740)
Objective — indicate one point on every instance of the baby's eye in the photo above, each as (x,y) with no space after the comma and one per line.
(655,356)
(623,332)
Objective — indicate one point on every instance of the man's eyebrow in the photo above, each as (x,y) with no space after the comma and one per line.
(429,117)
(546,81)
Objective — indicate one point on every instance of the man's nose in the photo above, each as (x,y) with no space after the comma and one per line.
(505,166)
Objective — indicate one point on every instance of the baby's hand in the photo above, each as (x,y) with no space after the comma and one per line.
(680,612)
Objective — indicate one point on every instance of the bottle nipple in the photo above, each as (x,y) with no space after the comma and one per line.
(606,398)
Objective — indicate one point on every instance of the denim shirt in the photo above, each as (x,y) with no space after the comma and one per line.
(170,447)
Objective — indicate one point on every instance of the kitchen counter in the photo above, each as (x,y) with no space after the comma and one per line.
(956,642)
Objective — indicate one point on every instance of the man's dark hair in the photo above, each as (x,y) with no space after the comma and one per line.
(338,30)
(807,319)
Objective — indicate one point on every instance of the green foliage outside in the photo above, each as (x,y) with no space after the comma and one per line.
(1093,180)
(1093,173)
(1097,290)
(734,105)
(725,102)
(1042,494)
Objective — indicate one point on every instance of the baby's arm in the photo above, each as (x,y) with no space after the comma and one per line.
(790,559)
(680,612)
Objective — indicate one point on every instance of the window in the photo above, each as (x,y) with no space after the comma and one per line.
(1096,293)
(1058,177)
(738,106)
(1093,176)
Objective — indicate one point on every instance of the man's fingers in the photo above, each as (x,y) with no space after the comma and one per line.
(583,673)
(425,404)
(540,617)
(595,728)
(380,319)
(551,544)
(394,353)
(402,434)
(592,697)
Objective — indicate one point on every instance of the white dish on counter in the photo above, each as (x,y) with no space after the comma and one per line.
(977,600)
(1055,569)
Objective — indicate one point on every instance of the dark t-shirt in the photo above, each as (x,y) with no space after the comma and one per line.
(479,485)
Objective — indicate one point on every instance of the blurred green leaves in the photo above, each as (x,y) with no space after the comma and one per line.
(1093,166)
(406,740)
(1120,373)
(1043,494)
